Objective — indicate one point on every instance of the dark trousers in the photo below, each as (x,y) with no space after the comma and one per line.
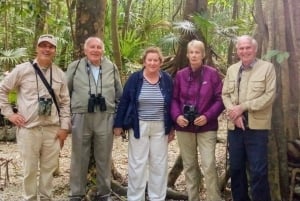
(248,150)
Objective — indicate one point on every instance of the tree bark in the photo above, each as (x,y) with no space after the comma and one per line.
(126,17)
(114,35)
(280,26)
(41,13)
(175,172)
(90,20)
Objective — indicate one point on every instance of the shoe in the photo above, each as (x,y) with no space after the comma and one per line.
(77,198)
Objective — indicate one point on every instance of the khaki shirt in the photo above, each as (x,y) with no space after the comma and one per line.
(29,88)
(256,94)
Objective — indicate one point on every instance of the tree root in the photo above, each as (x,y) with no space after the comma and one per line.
(4,163)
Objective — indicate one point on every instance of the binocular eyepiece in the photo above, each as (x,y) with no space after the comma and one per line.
(45,105)
(96,101)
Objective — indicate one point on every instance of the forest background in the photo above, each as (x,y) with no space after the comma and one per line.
(127,27)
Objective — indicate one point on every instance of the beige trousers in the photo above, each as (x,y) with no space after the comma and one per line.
(206,143)
(39,150)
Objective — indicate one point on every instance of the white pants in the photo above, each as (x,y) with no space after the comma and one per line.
(148,160)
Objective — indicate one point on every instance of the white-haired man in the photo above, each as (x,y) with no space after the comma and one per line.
(95,89)
(248,94)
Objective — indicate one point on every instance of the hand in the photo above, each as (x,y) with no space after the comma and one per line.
(171,135)
(181,121)
(238,122)
(200,121)
(118,131)
(17,119)
(62,135)
(234,112)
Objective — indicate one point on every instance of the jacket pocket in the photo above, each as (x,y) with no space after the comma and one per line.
(257,88)
(258,85)
(231,86)
(56,85)
(30,84)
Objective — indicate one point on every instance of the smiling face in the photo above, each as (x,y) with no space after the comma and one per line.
(94,49)
(246,50)
(152,62)
(45,53)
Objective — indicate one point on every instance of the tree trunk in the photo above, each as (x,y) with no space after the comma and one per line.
(175,172)
(41,13)
(280,28)
(126,17)
(90,19)
(191,7)
(114,35)
(71,5)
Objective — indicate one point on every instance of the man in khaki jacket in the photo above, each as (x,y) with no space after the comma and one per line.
(41,126)
(248,94)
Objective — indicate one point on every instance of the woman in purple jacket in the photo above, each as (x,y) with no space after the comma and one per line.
(195,108)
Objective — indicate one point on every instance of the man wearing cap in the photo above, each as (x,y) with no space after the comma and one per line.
(41,126)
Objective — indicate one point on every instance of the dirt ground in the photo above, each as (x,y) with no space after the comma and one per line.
(11,190)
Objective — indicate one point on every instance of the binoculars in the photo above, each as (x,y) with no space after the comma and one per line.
(96,101)
(45,105)
(190,113)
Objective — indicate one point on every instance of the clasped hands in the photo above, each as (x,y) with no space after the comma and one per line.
(235,114)
(199,121)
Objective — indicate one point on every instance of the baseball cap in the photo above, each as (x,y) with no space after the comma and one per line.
(47,38)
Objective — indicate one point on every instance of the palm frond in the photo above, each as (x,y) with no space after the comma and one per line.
(11,57)
(184,27)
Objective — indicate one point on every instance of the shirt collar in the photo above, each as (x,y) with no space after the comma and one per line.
(249,66)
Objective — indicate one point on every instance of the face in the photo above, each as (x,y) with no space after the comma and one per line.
(94,51)
(45,52)
(195,56)
(152,62)
(246,51)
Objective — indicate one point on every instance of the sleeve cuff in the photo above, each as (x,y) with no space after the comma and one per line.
(66,126)
(245,106)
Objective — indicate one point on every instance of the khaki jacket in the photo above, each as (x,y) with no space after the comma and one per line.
(259,93)
(29,88)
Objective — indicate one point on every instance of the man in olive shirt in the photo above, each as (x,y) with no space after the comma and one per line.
(41,129)
(248,94)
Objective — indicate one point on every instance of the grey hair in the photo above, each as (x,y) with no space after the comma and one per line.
(247,38)
(198,44)
(91,38)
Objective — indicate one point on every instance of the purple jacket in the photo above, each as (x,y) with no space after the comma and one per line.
(205,96)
